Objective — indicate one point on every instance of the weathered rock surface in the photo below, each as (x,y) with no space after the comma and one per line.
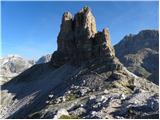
(79,41)
(82,81)
(140,54)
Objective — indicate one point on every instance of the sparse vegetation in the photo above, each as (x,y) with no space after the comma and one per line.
(131,84)
(128,83)
(120,84)
(71,97)
(125,84)
(86,8)
(35,115)
(68,117)
(126,92)
(65,117)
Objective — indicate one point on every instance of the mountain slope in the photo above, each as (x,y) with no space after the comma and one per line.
(30,91)
(33,85)
(140,54)
(84,79)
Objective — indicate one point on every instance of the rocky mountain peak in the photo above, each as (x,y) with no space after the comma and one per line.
(67,16)
(85,23)
(78,39)
(66,22)
(65,30)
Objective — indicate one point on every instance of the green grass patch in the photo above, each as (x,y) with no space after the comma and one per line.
(68,117)
(71,97)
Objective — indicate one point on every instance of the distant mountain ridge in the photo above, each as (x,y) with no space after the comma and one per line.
(140,54)
(12,65)
(44,59)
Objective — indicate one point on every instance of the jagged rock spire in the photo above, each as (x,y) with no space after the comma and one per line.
(85,24)
(79,40)
(102,44)
(84,30)
(65,33)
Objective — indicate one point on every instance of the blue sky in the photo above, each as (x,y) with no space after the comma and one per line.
(30,29)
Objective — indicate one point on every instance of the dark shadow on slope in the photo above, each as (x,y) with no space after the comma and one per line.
(22,84)
(38,80)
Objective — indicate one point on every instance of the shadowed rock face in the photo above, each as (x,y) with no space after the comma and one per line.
(79,40)
(139,53)
(65,36)
(130,44)
(85,28)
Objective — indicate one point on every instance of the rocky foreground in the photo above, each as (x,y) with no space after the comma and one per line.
(84,79)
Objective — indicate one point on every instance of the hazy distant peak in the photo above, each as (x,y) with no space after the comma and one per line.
(44,59)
